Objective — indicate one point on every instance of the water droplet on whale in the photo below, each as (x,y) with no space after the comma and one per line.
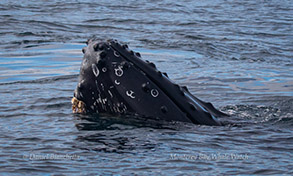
(116,54)
(117,82)
(154,93)
(118,71)
(104,69)
(95,70)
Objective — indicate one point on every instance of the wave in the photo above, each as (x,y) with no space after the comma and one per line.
(280,114)
(44,80)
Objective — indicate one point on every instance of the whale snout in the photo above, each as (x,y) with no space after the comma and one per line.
(100,60)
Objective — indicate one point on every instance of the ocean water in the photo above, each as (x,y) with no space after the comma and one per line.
(236,54)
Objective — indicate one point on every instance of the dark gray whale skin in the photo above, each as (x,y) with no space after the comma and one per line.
(115,80)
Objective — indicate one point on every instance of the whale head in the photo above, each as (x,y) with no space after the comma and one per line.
(116,80)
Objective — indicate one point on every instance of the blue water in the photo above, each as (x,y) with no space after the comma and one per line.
(236,54)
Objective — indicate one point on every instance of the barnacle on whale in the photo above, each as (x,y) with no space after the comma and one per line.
(78,106)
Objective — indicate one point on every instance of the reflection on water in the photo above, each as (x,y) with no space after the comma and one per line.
(40,62)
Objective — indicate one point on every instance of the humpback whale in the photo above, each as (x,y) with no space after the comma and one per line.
(114,79)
